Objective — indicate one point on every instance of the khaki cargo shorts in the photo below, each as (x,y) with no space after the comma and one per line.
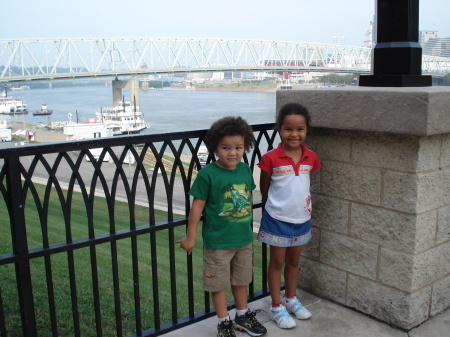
(222,267)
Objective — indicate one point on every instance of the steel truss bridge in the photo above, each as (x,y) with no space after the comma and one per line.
(69,58)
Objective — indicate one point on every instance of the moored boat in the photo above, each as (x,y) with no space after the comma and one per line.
(22,87)
(89,129)
(122,119)
(12,106)
(44,111)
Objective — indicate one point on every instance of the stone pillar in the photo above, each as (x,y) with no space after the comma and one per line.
(381,202)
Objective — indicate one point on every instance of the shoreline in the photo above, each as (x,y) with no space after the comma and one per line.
(222,87)
(236,87)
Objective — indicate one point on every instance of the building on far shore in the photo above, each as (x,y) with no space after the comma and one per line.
(434,45)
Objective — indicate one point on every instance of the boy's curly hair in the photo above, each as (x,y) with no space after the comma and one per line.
(229,126)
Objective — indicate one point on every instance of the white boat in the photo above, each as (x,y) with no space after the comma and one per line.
(12,106)
(22,87)
(87,130)
(122,119)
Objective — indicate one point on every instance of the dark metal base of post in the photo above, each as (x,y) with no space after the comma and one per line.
(395,81)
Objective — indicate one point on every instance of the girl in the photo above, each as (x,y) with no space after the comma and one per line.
(285,223)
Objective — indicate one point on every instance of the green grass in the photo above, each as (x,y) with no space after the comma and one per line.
(83,274)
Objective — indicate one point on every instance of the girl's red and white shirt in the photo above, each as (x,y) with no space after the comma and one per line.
(289,197)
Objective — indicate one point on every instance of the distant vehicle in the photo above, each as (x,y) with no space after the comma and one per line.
(96,154)
(129,158)
(5,135)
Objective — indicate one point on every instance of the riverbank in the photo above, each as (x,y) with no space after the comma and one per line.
(236,87)
(41,136)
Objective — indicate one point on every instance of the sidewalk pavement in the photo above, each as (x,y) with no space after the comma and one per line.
(328,320)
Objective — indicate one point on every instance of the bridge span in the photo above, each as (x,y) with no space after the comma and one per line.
(69,58)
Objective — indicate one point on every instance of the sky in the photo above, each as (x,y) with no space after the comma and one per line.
(282,20)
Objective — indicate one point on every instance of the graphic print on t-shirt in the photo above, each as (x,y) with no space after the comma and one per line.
(308,205)
(236,201)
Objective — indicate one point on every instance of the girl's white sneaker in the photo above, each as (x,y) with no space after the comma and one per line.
(281,316)
(297,308)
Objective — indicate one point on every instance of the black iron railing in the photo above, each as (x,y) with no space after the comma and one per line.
(88,239)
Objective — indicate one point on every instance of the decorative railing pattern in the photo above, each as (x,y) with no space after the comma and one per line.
(74,226)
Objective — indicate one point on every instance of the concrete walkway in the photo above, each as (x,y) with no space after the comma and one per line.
(328,320)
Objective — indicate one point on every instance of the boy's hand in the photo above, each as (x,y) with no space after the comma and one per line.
(187,244)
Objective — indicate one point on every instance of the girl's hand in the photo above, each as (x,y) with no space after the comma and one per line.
(187,244)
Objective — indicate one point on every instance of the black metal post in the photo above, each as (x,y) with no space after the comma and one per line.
(16,203)
(397,55)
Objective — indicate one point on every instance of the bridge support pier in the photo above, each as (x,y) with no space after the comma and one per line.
(132,85)
(381,207)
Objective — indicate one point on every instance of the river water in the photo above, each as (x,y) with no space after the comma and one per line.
(164,110)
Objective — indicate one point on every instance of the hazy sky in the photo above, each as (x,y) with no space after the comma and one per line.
(290,20)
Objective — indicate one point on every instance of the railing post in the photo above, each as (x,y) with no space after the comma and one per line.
(397,55)
(20,246)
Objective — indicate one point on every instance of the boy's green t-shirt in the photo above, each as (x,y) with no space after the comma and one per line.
(228,210)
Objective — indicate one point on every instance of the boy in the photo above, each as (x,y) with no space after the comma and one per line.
(222,190)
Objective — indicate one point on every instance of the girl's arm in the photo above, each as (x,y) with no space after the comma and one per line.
(264,183)
(188,242)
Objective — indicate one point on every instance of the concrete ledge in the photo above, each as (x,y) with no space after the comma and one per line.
(415,111)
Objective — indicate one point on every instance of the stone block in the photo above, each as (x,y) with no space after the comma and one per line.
(408,233)
(443,229)
(312,249)
(445,151)
(425,231)
(349,254)
(400,191)
(330,213)
(351,182)
(390,305)
(441,296)
(323,281)
(431,265)
(412,272)
(315,182)
(330,144)
(429,153)
(396,269)
(433,190)
(396,152)
(387,151)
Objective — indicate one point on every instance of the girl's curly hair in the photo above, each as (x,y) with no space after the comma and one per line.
(229,126)
(292,109)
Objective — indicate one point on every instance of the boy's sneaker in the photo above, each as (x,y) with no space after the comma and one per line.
(297,308)
(281,316)
(225,329)
(249,323)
